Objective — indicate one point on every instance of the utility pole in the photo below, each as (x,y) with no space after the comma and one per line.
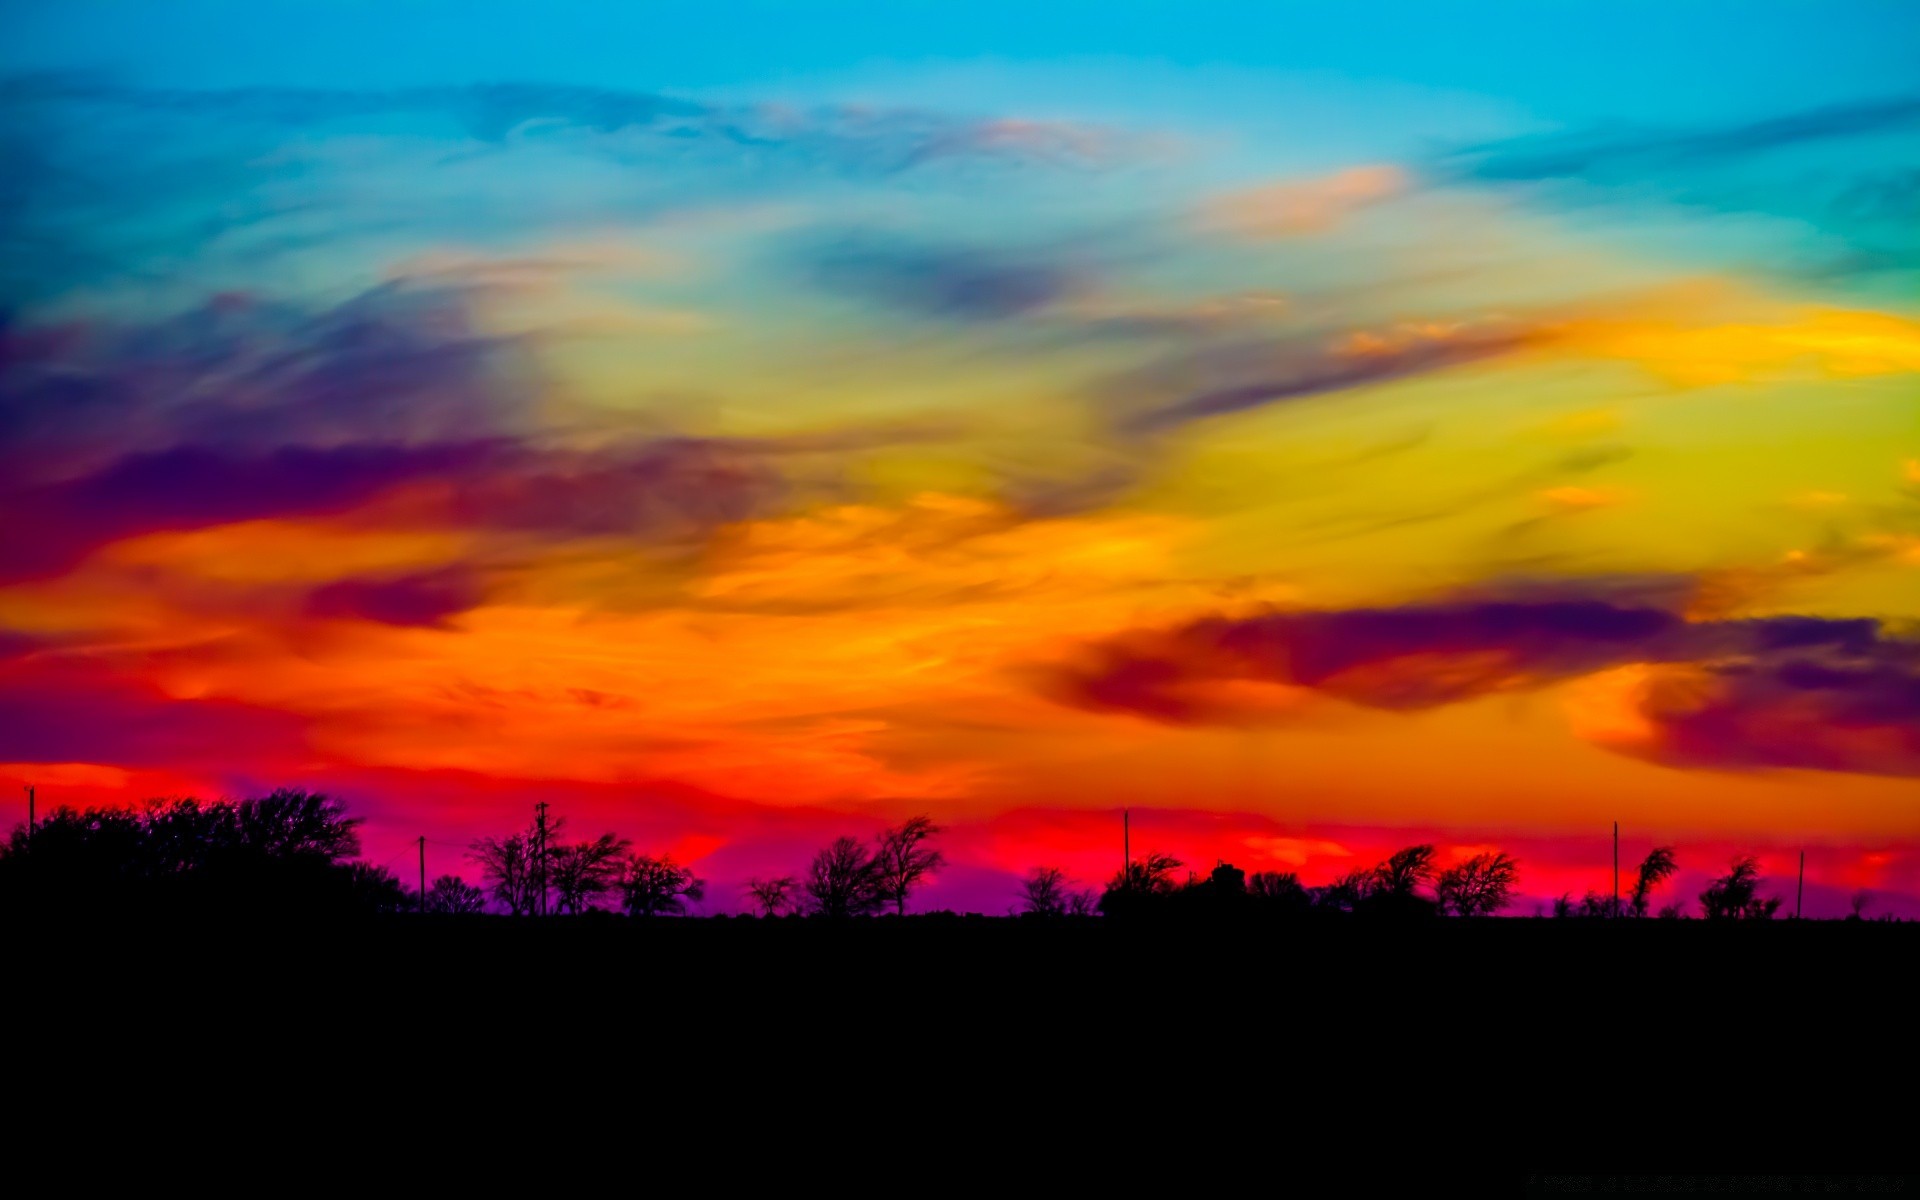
(1126,850)
(1800,888)
(540,854)
(1616,868)
(423,873)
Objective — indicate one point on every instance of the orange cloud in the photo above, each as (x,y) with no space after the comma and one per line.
(1307,206)
(1580,499)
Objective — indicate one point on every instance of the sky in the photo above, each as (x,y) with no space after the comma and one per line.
(1315,429)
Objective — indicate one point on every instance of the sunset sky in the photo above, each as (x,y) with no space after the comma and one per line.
(1315,428)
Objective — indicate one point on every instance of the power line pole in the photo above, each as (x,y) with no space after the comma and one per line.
(423,873)
(1800,888)
(540,855)
(1616,868)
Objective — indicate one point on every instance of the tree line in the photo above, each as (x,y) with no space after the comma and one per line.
(297,850)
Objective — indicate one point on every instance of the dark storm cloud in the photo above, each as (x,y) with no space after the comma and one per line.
(1790,691)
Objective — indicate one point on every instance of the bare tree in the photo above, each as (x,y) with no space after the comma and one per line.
(1345,893)
(1276,885)
(507,864)
(1403,873)
(1152,875)
(1858,904)
(653,886)
(1655,869)
(1044,892)
(1735,895)
(843,881)
(905,856)
(291,823)
(452,894)
(1478,887)
(772,895)
(583,872)
(1598,904)
(376,889)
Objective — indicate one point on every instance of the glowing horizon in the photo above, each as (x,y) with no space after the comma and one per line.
(1316,433)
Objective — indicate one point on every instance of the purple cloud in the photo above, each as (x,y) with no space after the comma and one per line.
(427,598)
(1791,691)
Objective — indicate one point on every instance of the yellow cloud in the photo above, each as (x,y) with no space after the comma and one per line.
(1818,343)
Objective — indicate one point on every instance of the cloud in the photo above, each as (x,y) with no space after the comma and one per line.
(1816,168)
(1295,207)
(63,713)
(242,410)
(194,488)
(1607,153)
(853,136)
(426,598)
(1299,369)
(1857,712)
(947,283)
(396,365)
(659,488)
(1814,692)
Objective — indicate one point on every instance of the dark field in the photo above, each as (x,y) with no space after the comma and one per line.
(1489,1047)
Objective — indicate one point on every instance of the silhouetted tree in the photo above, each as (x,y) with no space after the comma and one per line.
(1275,885)
(1147,876)
(656,886)
(772,895)
(1857,904)
(288,823)
(1598,904)
(903,857)
(278,852)
(1391,888)
(1478,887)
(1734,896)
(1045,893)
(1278,891)
(1403,873)
(376,889)
(583,872)
(1345,893)
(1141,886)
(843,881)
(1563,906)
(1672,912)
(512,876)
(1655,869)
(452,894)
